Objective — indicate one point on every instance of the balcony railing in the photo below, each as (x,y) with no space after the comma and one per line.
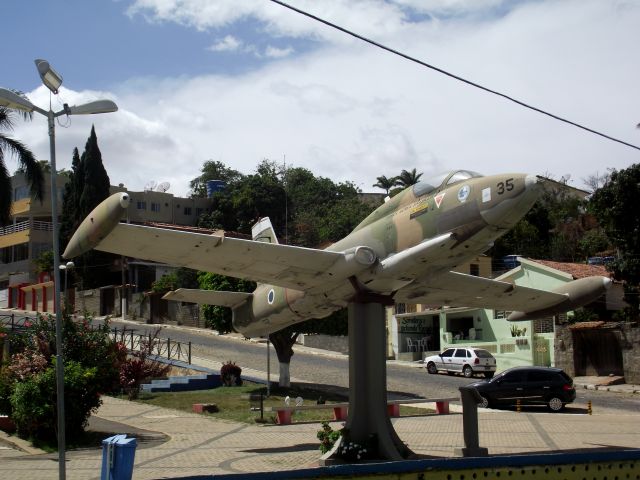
(27,225)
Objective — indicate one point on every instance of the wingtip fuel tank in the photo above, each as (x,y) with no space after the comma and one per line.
(98,224)
(578,292)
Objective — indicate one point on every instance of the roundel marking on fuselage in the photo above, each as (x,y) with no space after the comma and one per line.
(463,193)
(271,296)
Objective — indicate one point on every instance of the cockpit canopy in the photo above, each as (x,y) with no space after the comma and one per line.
(438,182)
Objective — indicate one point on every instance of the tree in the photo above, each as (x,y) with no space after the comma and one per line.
(553,229)
(406,178)
(88,185)
(615,207)
(305,210)
(26,160)
(385,183)
(212,170)
(217,317)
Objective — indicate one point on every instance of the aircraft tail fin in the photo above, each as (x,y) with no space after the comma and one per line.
(262,231)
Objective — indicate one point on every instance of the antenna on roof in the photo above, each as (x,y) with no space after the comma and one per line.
(163,187)
(151,184)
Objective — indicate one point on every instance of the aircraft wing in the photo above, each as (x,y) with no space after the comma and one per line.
(460,290)
(283,265)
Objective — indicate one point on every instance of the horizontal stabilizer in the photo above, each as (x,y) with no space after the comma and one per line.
(208,297)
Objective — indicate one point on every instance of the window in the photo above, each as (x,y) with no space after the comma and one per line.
(513,377)
(401,308)
(543,325)
(461,353)
(187,210)
(199,212)
(20,192)
(155,207)
(501,314)
(474,269)
(448,352)
(536,376)
(141,205)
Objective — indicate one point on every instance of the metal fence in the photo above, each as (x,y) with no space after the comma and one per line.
(135,342)
(161,347)
(15,323)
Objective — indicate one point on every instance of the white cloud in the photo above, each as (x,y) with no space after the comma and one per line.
(275,52)
(353,112)
(226,44)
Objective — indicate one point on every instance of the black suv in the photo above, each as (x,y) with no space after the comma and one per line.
(531,385)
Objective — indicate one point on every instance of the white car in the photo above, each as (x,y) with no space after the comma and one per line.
(466,360)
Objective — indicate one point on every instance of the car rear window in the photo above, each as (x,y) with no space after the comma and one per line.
(482,354)
(566,377)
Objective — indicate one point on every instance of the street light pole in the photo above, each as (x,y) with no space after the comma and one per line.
(66,267)
(10,99)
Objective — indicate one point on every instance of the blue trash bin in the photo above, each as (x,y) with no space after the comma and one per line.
(118,454)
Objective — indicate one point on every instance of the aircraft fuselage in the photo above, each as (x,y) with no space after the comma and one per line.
(471,211)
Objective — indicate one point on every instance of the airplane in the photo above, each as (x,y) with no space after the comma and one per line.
(404,250)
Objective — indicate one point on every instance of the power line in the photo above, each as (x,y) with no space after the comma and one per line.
(449,74)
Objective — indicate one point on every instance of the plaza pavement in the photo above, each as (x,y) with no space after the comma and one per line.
(178,444)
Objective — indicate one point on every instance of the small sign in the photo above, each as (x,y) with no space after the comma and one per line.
(486,195)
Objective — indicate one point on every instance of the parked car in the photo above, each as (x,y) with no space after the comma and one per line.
(531,385)
(468,361)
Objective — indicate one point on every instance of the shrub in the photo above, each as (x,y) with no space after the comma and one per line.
(328,437)
(28,384)
(230,374)
(34,407)
(6,388)
(139,367)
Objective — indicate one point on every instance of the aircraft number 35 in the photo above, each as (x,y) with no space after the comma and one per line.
(507,185)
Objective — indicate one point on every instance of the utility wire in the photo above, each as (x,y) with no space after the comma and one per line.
(444,72)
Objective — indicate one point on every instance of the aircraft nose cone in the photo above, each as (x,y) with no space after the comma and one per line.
(530,181)
(514,196)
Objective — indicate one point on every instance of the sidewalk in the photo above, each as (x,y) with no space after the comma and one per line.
(198,445)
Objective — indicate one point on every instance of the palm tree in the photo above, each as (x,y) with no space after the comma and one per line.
(385,183)
(26,161)
(406,179)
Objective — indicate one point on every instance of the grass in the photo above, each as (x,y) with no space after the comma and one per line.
(233,402)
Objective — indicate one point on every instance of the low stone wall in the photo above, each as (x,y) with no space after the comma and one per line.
(87,301)
(628,336)
(630,342)
(325,342)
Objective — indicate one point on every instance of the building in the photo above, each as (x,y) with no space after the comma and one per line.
(512,343)
(30,234)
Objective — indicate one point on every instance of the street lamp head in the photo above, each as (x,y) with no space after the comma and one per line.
(70,265)
(50,78)
(99,106)
(10,99)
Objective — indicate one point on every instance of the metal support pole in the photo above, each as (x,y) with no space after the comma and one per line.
(56,284)
(189,353)
(268,367)
(470,400)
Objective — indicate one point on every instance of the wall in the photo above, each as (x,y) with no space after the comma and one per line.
(630,342)
(326,342)
(629,338)
(88,301)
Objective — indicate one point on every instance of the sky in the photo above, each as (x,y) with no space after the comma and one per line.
(242,81)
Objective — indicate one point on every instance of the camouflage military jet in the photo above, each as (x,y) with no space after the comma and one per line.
(404,249)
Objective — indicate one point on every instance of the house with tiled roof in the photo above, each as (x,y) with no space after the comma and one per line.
(512,343)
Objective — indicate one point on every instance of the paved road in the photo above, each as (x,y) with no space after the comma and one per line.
(332,369)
